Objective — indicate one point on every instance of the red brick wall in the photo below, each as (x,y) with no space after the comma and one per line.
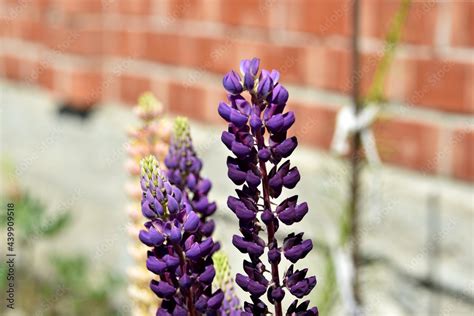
(90,51)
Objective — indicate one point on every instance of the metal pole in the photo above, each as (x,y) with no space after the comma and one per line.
(355,157)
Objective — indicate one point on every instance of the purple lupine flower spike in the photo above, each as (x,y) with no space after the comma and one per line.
(257,138)
(184,171)
(179,256)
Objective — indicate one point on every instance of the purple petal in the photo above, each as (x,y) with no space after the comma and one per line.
(243,106)
(264,154)
(208,275)
(256,288)
(162,289)
(303,287)
(194,252)
(274,255)
(192,222)
(291,178)
(254,64)
(227,138)
(201,303)
(201,204)
(206,246)
(158,207)
(208,228)
(237,176)
(155,265)
(174,235)
(171,262)
(275,76)
(288,120)
(275,123)
(185,281)
(240,243)
(249,81)
(242,281)
(267,217)
(285,148)
(300,211)
(216,300)
(255,249)
(147,211)
(252,179)
(280,95)
(278,294)
(255,122)
(177,194)
(265,85)
(298,252)
(191,181)
(173,206)
(237,118)
(224,111)
(204,186)
(276,182)
(171,162)
(287,216)
(240,150)
(244,66)
(231,83)
(151,237)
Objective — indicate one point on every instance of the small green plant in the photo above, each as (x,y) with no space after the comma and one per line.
(65,285)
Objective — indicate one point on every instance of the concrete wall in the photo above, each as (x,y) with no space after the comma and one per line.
(79,164)
(90,51)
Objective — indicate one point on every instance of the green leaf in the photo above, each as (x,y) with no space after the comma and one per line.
(55,225)
(71,271)
(376,89)
(328,293)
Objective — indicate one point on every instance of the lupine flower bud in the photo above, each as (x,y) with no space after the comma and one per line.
(295,248)
(162,289)
(249,69)
(302,309)
(265,84)
(290,212)
(179,256)
(276,294)
(280,95)
(232,83)
(257,136)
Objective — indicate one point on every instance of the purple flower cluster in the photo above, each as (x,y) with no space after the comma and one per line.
(178,256)
(184,171)
(257,136)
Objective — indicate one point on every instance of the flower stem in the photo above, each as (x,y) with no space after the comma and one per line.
(270,226)
(355,157)
(189,294)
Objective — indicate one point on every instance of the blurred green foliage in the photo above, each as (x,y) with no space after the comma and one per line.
(67,284)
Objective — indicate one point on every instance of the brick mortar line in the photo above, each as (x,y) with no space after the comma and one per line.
(438,177)
(314,96)
(462,188)
(369,44)
(303,93)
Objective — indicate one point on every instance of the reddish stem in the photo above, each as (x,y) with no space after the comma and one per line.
(270,226)
(189,294)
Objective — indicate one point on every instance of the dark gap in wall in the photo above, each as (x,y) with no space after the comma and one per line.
(67,109)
